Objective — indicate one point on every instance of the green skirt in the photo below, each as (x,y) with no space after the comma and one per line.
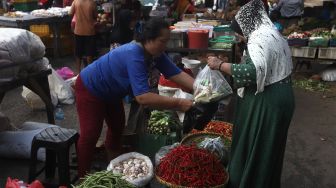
(259,136)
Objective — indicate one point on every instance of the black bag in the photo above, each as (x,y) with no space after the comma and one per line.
(199,116)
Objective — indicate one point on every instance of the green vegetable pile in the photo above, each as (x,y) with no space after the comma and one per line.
(162,123)
(221,45)
(311,85)
(104,179)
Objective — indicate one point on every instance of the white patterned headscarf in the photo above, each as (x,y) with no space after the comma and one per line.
(267,48)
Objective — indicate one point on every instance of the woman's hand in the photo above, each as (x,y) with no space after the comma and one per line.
(220,64)
(214,62)
(185,104)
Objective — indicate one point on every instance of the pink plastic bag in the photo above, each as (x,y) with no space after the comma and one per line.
(15,183)
(65,73)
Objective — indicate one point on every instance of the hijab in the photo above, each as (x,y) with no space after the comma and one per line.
(267,48)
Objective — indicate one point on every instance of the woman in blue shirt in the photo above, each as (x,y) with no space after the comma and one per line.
(125,70)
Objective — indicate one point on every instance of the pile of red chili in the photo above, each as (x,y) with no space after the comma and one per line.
(191,167)
(220,127)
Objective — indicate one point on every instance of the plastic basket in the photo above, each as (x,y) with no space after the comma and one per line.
(222,42)
(222,30)
(195,138)
(26,7)
(40,30)
(178,40)
(318,42)
(327,53)
(298,42)
(332,42)
(307,52)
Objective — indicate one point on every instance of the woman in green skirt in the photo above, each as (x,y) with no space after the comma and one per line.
(265,102)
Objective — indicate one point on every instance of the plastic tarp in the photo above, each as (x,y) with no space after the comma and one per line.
(17,144)
(19,45)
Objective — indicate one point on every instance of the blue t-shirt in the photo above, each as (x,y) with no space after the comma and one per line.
(124,70)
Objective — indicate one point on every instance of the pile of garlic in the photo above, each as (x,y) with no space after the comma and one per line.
(131,168)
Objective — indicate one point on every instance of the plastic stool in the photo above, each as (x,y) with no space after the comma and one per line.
(57,142)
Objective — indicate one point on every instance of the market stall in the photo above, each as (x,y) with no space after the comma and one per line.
(314,45)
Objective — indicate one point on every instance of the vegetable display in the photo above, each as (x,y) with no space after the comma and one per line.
(162,123)
(191,167)
(219,127)
(296,35)
(104,179)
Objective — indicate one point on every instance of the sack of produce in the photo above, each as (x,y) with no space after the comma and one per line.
(104,179)
(134,167)
(210,85)
(217,147)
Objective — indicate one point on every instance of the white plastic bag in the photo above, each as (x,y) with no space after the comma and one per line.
(329,74)
(210,86)
(34,101)
(61,88)
(183,95)
(141,181)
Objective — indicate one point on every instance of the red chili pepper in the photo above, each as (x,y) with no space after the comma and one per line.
(192,167)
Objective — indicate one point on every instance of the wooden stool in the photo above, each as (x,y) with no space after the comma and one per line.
(57,142)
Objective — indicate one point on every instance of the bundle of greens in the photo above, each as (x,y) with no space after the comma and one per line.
(162,123)
(104,179)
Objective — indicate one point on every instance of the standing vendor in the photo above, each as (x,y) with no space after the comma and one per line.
(101,86)
(85,13)
(265,103)
(291,11)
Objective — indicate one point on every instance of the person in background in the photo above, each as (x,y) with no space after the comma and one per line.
(291,11)
(274,16)
(123,31)
(101,86)
(85,12)
(181,7)
(265,103)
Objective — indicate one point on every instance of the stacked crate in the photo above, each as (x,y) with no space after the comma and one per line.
(46,35)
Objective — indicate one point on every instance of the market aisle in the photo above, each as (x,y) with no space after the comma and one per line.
(310,158)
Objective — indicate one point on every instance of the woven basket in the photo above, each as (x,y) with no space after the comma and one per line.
(189,139)
(170,185)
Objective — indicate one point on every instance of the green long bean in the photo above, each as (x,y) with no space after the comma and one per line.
(103,179)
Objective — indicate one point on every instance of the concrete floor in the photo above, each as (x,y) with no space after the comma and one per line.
(310,158)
